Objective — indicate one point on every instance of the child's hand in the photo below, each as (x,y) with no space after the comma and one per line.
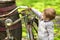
(23,12)
(29,9)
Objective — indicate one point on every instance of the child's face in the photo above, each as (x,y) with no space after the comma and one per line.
(44,17)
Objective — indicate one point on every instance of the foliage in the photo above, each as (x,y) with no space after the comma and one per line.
(41,4)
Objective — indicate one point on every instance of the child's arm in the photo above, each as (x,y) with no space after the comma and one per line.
(36,12)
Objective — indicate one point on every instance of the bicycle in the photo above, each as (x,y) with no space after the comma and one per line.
(28,23)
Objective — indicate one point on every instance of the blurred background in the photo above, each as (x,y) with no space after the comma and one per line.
(41,5)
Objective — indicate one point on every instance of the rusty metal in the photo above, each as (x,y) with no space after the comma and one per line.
(9,35)
(14,29)
(28,25)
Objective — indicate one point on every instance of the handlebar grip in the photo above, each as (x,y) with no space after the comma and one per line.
(23,6)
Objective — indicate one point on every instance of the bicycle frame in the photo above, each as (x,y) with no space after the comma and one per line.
(28,26)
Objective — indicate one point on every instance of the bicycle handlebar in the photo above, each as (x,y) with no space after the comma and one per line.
(13,10)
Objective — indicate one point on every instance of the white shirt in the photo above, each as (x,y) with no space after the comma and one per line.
(45,29)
